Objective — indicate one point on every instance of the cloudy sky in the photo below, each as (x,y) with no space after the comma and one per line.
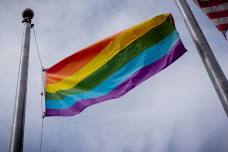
(176,110)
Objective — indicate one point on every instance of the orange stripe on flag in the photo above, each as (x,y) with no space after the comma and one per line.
(68,66)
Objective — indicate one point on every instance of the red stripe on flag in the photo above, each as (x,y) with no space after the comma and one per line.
(211,3)
(218,14)
(222,27)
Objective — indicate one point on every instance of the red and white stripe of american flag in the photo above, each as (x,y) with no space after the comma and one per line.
(217,11)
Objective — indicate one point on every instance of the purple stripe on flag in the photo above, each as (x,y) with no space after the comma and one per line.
(138,77)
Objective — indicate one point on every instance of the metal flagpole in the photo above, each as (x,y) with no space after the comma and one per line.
(213,69)
(17,134)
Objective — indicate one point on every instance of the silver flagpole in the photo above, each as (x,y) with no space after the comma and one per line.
(213,69)
(17,134)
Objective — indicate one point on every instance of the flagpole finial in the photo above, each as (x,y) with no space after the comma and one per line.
(27,15)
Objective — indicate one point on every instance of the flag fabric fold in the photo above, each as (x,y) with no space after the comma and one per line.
(217,11)
(111,67)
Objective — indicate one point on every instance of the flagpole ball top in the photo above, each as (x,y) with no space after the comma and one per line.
(28,13)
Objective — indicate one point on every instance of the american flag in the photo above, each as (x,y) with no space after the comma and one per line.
(217,11)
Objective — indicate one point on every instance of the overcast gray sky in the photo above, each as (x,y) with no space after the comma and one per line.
(174,111)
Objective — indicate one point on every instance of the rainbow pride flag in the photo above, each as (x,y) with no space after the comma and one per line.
(111,67)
